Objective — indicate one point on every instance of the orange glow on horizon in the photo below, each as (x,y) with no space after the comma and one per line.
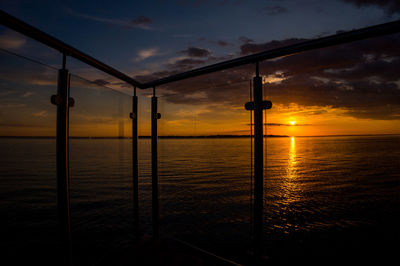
(200,120)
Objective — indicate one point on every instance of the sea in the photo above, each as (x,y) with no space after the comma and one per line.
(332,198)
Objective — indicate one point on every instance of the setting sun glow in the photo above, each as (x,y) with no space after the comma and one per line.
(292,123)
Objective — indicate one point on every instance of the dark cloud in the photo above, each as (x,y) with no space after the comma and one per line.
(273,10)
(141,21)
(245,40)
(275,124)
(101,82)
(181,65)
(284,125)
(362,99)
(157,75)
(196,52)
(216,88)
(252,48)
(390,6)
(186,64)
(222,43)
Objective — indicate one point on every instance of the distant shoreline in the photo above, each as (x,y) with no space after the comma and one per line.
(148,137)
(192,137)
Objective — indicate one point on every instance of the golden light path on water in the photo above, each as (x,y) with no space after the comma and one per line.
(290,184)
(292,159)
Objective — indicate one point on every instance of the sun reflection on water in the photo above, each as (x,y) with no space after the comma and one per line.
(291,169)
(290,184)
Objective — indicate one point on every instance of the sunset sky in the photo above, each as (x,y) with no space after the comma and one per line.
(341,90)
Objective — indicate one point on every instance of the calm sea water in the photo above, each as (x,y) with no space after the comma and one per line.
(324,196)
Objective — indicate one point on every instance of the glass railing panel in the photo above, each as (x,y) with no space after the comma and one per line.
(28,224)
(100,171)
(204,162)
(144,157)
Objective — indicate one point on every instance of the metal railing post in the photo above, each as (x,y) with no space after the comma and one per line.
(154,163)
(63,103)
(135,162)
(258,163)
(258,105)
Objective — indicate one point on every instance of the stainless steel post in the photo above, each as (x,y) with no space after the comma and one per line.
(154,164)
(135,168)
(258,163)
(63,103)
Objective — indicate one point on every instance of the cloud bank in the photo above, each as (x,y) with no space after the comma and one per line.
(361,78)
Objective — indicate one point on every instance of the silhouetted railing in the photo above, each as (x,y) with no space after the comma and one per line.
(64,102)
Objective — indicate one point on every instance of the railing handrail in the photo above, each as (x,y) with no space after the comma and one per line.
(40,36)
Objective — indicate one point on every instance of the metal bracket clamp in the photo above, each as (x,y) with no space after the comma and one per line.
(265,105)
(158,116)
(57,100)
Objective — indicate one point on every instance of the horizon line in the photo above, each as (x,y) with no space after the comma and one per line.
(199,136)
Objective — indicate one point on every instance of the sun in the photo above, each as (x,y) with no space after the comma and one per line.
(292,123)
